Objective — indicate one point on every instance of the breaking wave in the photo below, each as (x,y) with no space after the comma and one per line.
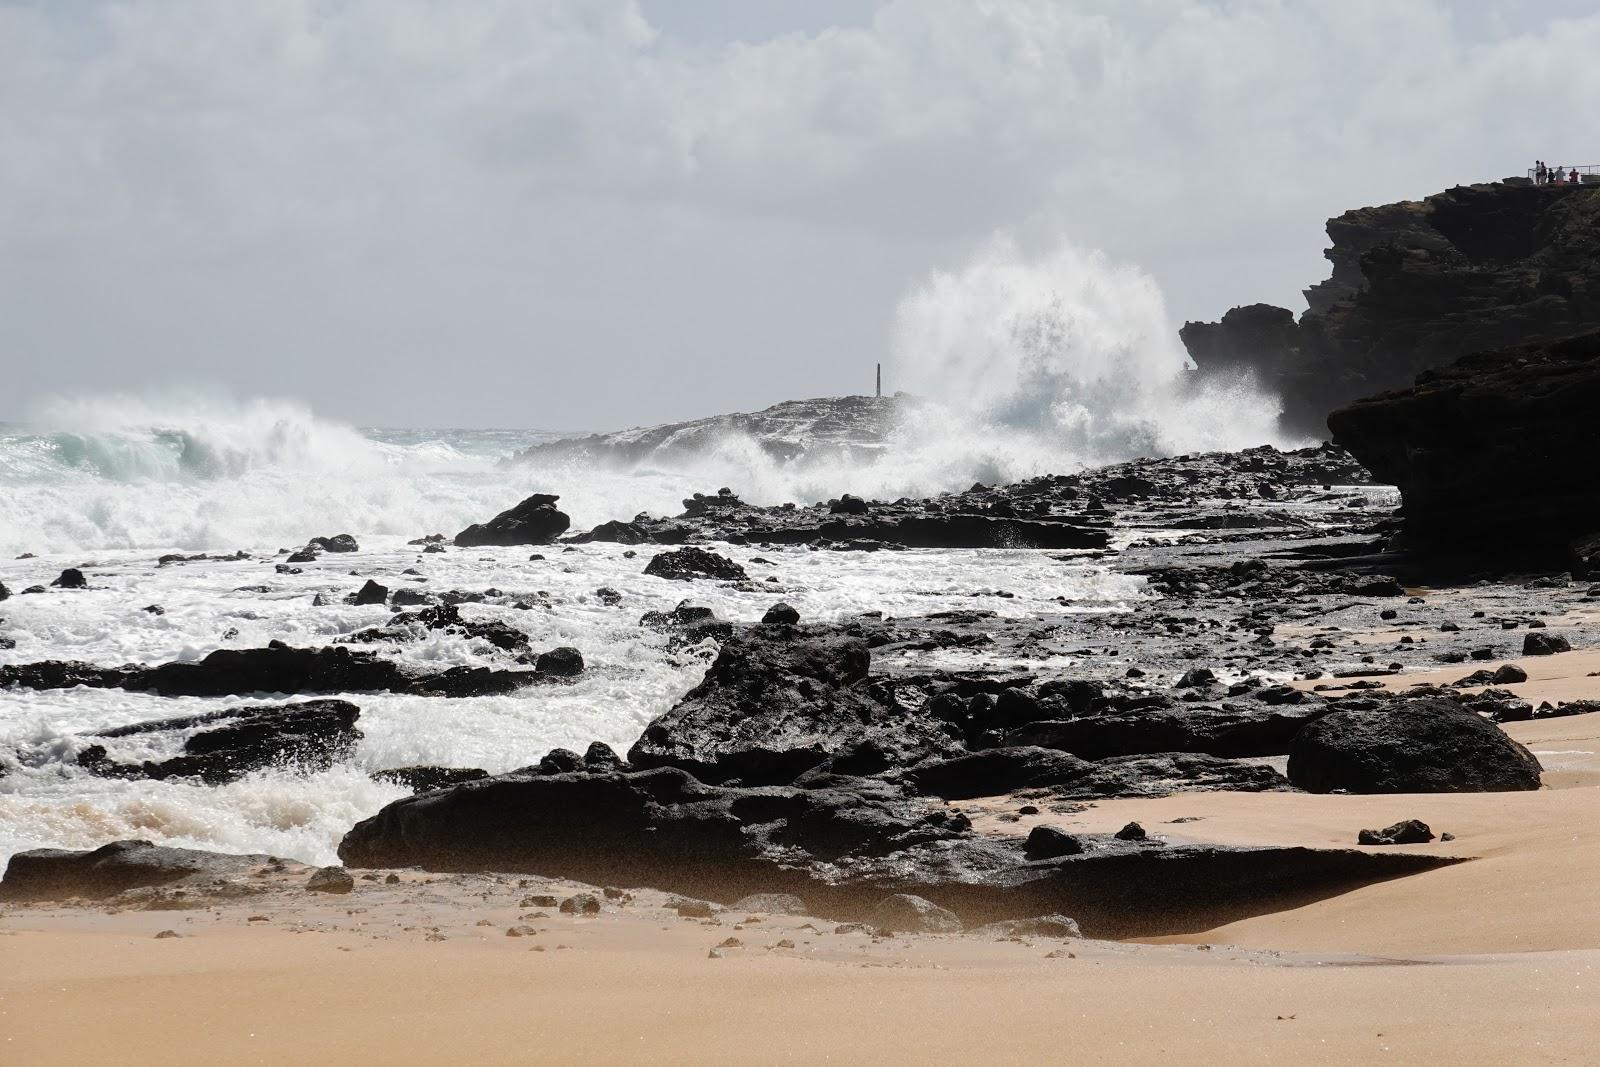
(1027,365)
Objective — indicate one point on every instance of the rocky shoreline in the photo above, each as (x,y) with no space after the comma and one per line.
(1271,598)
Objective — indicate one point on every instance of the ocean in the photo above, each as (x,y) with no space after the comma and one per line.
(111,486)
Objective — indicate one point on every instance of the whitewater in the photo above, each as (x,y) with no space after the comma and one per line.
(1023,365)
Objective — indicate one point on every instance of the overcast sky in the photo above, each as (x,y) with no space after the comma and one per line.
(596,213)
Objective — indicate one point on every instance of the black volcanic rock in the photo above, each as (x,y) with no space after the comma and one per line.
(1520,420)
(71,578)
(1048,842)
(779,700)
(535,521)
(1426,745)
(687,564)
(370,593)
(56,874)
(998,771)
(1405,832)
(314,735)
(278,668)
(337,543)
(1232,729)
(781,613)
(423,778)
(994,772)
(1416,285)
(634,827)
(1542,643)
(840,850)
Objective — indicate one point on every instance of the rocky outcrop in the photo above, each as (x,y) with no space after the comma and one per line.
(1428,745)
(853,428)
(56,874)
(313,735)
(1416,285)
(1496,455)
(840,850)
(780,699)
(1056,511)
(1155,724)
(998,771)
(278,668)
(535,521)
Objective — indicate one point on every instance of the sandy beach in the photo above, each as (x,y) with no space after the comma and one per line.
(1490,961)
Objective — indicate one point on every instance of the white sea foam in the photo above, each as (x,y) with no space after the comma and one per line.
(1031,364)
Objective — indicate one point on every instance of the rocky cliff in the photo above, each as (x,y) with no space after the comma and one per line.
(1414,286)
(1497,455)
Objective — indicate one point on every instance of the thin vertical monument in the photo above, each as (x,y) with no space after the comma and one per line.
(879,393)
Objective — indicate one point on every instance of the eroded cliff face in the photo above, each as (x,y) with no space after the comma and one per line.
(1497,455)
(1414,286)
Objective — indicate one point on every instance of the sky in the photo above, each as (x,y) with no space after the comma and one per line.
(587,214)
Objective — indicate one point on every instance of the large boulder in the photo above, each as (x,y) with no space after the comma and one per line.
(777,701)
(687,564)
(56,874)
(658,827)
(1426,745)
(841,850)
(1495,455)
(535,521)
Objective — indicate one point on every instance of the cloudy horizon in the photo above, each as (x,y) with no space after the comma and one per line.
(596,214)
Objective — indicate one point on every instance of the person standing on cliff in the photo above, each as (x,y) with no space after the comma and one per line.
(1575,178)
(1539,172)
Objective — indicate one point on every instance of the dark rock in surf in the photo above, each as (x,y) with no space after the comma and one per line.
(1427,745)
(535,521)
(615,532)
(687,564)
(370,593)
(313,735)
(849,505)
(337,543)
(423,779)
(563,662)
(277,668)
(71,578)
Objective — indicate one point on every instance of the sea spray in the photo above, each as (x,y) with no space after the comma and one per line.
(1052,362)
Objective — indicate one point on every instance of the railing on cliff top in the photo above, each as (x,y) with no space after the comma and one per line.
(1588,175)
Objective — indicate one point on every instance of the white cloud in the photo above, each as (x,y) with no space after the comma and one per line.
(629,222)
